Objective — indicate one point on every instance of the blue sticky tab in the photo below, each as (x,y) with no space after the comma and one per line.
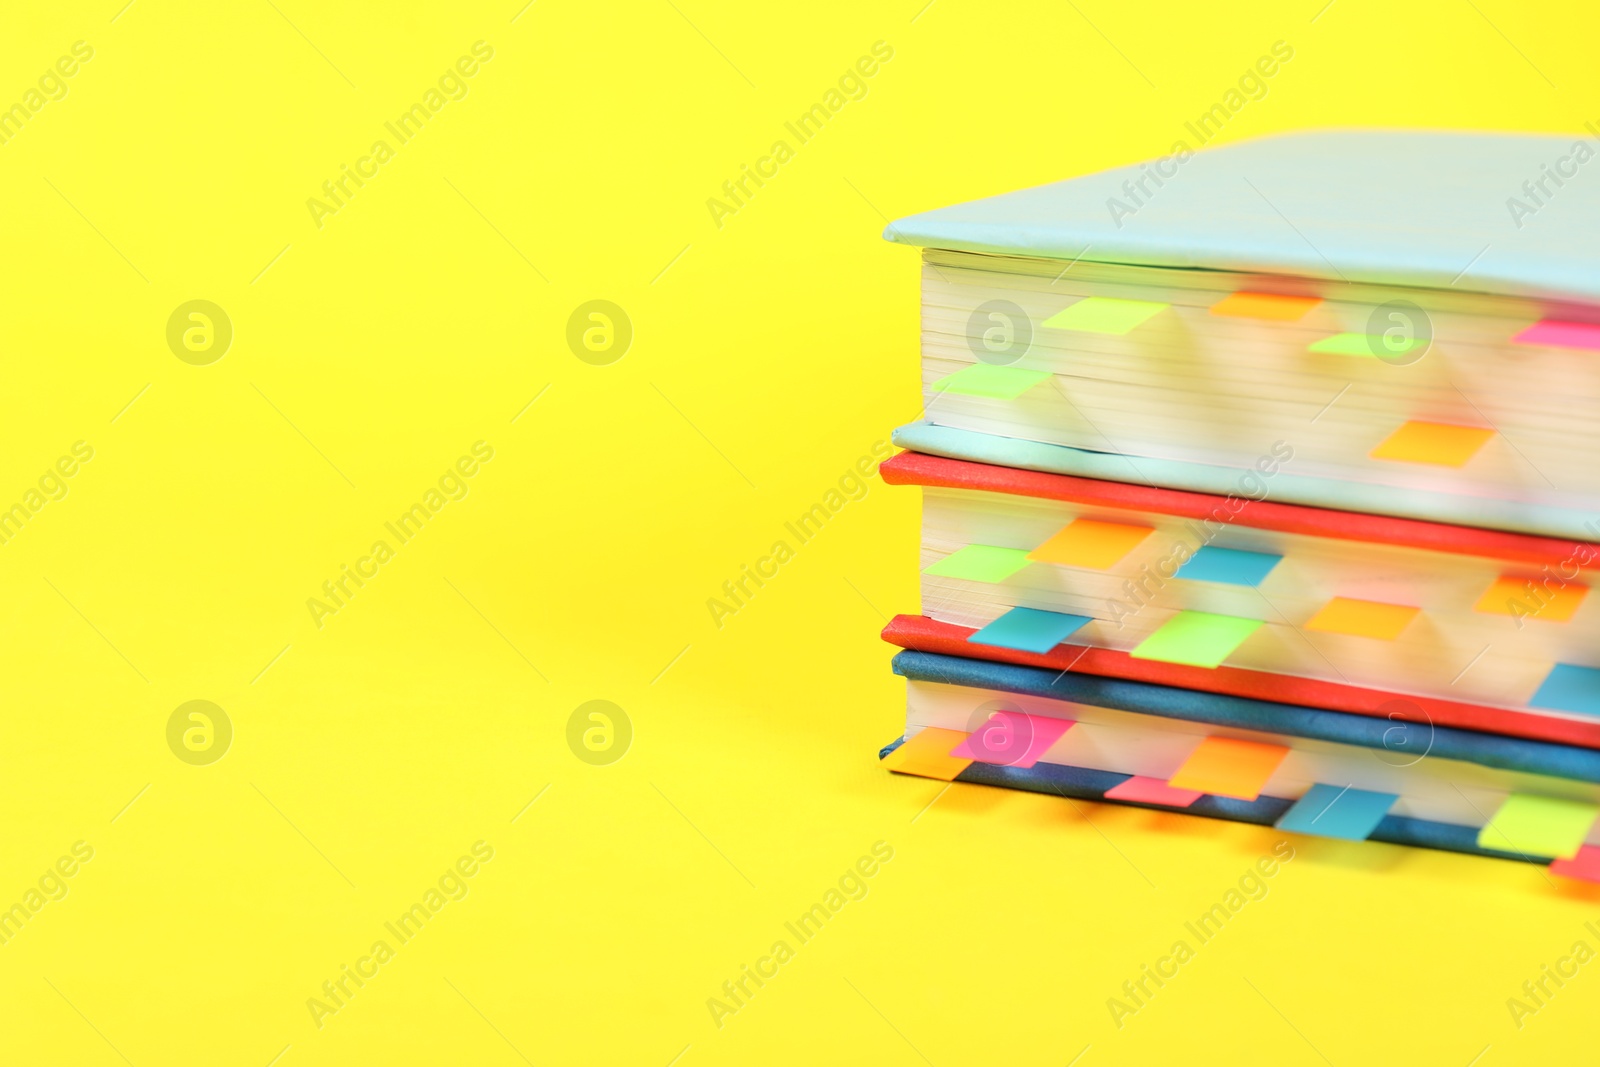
(1232,566)
(1029,630)
(1338,811)
(1569,688)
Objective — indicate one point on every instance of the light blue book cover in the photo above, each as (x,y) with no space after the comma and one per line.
(1513,214)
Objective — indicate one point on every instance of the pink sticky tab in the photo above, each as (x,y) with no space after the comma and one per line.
(1012,739)
(1584,866)
(1556,334)
(1139,790)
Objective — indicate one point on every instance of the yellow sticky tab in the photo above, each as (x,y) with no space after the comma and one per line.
(1105,314)
(1438,443)
(1225,767)
(1090,543)
(1265,306)
(927,754)
(1362,618)
(1530,825)
(1528,598)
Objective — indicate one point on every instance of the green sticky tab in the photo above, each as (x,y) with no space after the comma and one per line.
(1364,344)
(1539,826)
(987,379)
(1196,638)
(981,563)
(1104,314)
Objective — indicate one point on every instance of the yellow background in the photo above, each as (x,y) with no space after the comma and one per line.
(769,355)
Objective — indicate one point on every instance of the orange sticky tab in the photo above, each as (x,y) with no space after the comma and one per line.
(1265,306)
(927,754)
(1529,598)
(1362,618)
(1228,768)
(1433,442)
(1090,543)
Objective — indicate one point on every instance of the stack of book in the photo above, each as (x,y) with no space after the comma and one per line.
(1268,500)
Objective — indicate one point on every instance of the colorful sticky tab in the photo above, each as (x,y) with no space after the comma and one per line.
(991,380)
(1196,638)
(1338,811)
(1438,443)
(1230,566)
(1029,630)
(1139,790)
(1556,334)
(1012,739)
(1229,768)
(980,563)
(1569,688)
(1362,618)
(1090,543)
(1585,865)
(927,754)
(1104,314)
(1265,306)
(1530,825)
(1529,598)
(1364,344)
